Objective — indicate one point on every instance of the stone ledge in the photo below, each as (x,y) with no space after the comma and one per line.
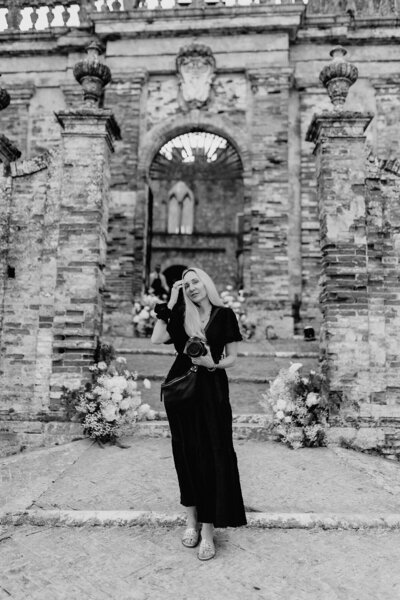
(130,518)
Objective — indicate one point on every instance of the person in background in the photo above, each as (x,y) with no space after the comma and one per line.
(158,284)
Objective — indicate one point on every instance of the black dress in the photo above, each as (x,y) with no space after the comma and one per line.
(201,431)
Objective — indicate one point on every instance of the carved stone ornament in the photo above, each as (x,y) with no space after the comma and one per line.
(338,76)
(91,74)
(196,71)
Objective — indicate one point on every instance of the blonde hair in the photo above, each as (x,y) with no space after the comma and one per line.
(192,321)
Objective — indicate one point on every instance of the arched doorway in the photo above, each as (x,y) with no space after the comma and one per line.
(196,182)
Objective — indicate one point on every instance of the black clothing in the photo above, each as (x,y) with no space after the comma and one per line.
(201,431)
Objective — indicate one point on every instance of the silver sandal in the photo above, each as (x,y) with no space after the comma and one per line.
(206,550)
(190,537)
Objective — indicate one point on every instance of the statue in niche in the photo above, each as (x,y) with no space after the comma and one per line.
(180,209)
(196,71)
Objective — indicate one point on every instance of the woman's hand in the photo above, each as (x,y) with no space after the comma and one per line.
(174,293)
(205,361)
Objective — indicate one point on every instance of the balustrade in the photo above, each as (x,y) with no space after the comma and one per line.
(35,15)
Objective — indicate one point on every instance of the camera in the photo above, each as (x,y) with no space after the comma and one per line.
(195,347)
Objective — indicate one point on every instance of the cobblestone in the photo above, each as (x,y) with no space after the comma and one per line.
(151,563)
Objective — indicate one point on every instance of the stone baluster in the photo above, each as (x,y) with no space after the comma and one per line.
(116,6)
(65,13)
(341,171)
(50,13)
(14,16)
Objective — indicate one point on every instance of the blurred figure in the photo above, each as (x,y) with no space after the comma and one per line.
(158,284)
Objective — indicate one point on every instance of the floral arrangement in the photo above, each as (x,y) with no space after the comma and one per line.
(237,302)
(143,315)
(111,403)
(300,411)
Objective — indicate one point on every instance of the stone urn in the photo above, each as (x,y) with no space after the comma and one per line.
(338,76)
(92,75)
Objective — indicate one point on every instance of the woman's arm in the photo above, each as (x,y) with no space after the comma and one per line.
(230,357)
(160,334)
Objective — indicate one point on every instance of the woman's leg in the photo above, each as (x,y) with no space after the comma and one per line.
(207,532)
(191,512)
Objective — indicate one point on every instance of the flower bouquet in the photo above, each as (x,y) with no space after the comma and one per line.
(110,404)
(143,315)
(237,302)
(299,409)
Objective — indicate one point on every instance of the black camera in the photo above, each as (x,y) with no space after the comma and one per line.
(195,347)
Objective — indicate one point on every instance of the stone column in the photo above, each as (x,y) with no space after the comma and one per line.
(127,255)
(87,136)
(341,170)
(267,268)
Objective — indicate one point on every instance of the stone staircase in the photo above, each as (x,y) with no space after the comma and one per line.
(257,365)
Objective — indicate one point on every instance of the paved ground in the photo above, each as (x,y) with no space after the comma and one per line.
(144,562)
(151,564)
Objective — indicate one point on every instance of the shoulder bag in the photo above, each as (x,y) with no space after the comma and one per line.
(180,390)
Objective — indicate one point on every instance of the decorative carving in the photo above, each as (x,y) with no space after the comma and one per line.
(92,75)
(338,76)
(196,71)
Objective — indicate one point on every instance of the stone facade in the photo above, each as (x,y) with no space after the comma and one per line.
(79,232)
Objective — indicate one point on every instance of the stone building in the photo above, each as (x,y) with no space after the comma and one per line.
(196,153)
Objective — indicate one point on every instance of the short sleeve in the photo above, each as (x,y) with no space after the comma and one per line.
(176,329)
(231,327)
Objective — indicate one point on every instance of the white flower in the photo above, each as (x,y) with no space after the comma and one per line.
(102,366)
(126,403)
(121,360)
(288,419)
(280,415)
(229,288)
(109,412)
(116,397)
(294,367)
(93,368)
(147,384)
(312,399)
(131,387)
(105,394)
(281,404)
(136,319)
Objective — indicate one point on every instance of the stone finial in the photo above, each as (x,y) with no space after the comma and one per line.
(91,74)
(338,76)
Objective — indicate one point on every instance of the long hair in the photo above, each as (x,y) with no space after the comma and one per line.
(192,321)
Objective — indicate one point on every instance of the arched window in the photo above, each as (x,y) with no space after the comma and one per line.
(180,209)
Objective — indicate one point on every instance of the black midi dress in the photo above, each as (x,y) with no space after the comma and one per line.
(201,430)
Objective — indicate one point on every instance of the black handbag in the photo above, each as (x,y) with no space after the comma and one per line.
(180,390)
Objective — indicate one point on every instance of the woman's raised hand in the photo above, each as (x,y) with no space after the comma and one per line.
(174,293)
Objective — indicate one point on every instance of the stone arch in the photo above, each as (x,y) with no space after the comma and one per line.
(195,119)
(149,146)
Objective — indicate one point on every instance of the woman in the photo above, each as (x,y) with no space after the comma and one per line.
(201,430)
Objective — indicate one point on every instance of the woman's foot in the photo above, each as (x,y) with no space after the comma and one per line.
(206,550)
(191,537)
(207,547)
